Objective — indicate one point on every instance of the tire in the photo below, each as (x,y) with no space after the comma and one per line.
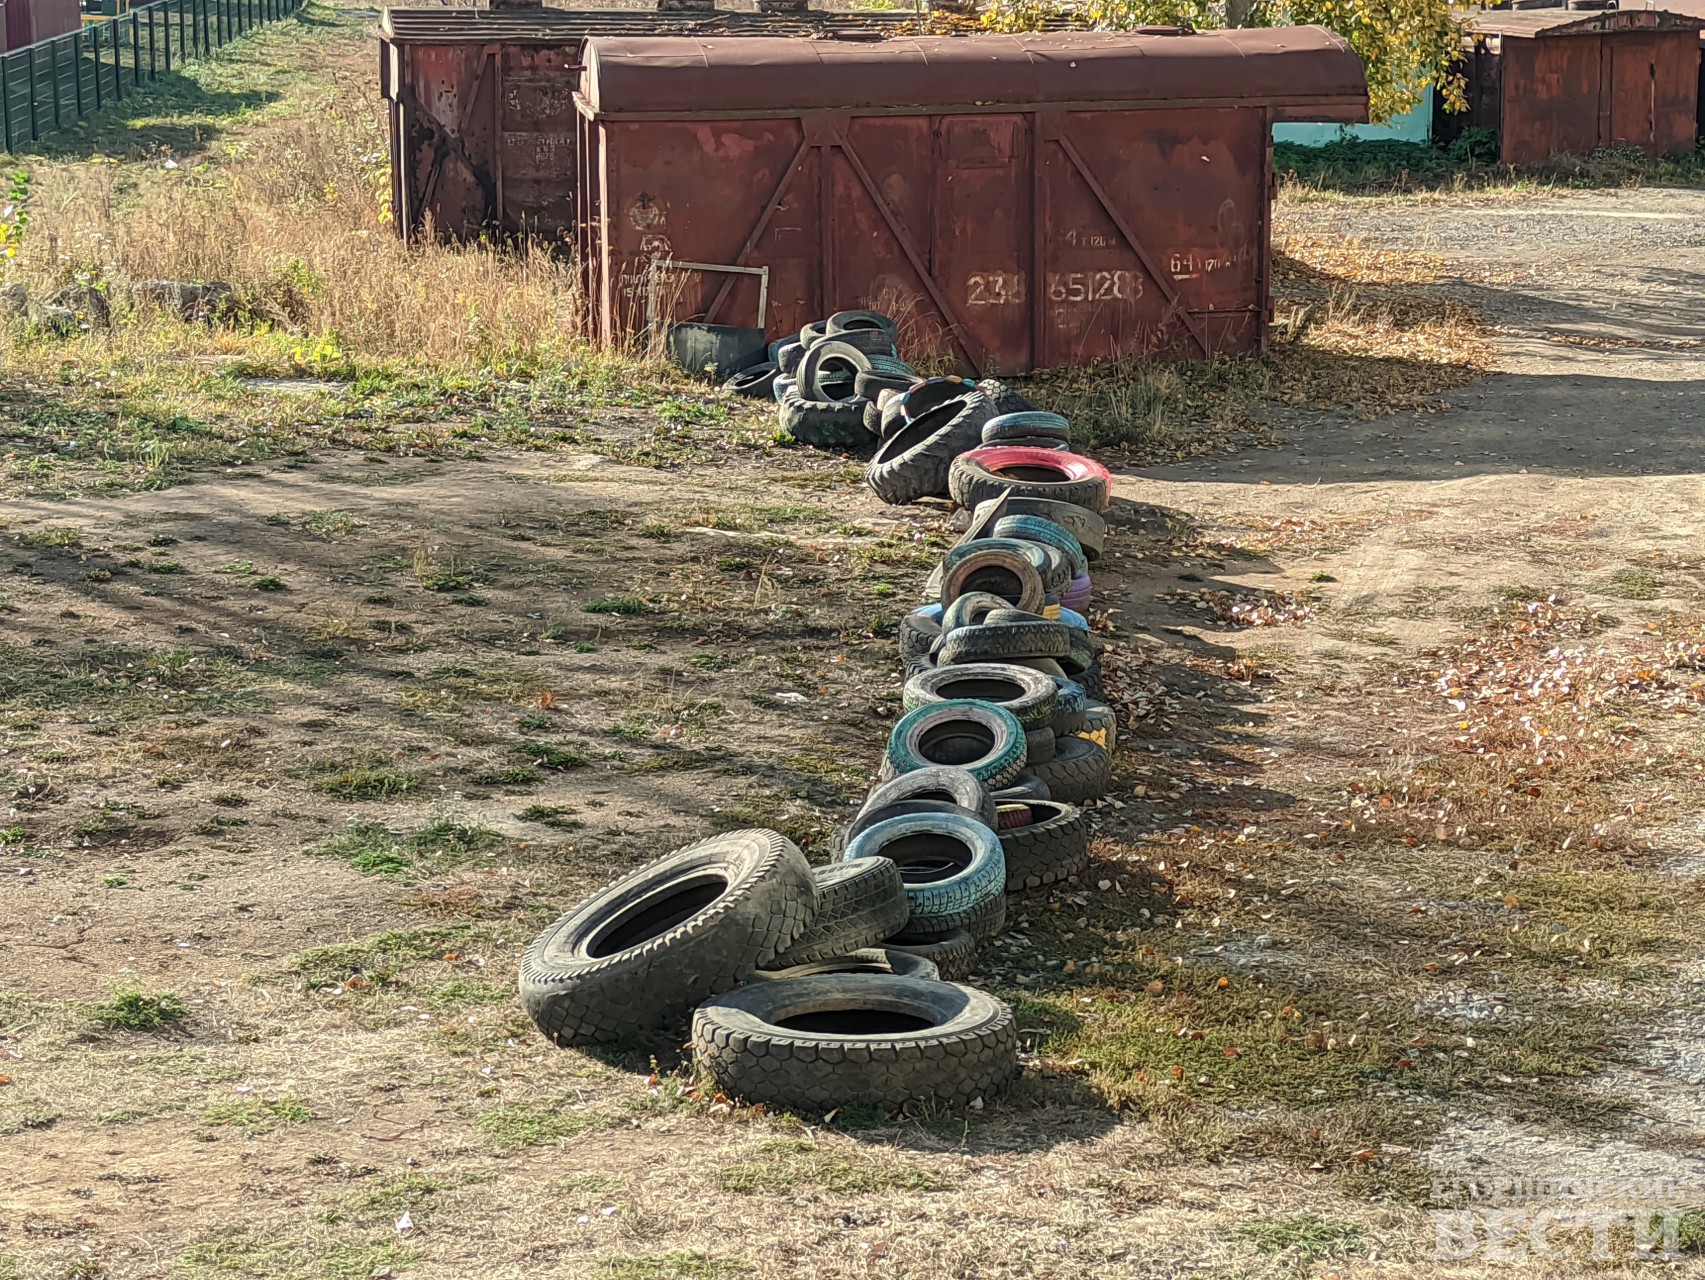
(756,383)
(1033,424)
(998,570)
(1038,442)
(923,396)
(942,783)
(951,867)
(1079,771)
(1030,697)
(1086,526)
(872,418)
(817,1044)
(1048,849)
(830,371)
(997,642)
(913,460)
(1049,534)
(1080,652)
(813,333)
(1010,815)
(1093,685)
(1026,786)
(1076,595)
(1073,619)
(874,343)
(1035,473)
(1070,707)
(990,918)
(869,816)
(845,322)
(887,373)
(636,956)
(970,610)
(1039,745)
(781,386)
(858,903)
(825,424)
(1100,726)
(1047,666)
(954,954)
(787,358)
(986,741)
(1004,398)
(901,964)
(918,635)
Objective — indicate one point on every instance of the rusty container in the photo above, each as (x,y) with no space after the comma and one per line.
(1562,82)
(1017,202)
(481,109)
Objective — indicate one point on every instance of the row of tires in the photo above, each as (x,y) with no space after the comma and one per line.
(812,988)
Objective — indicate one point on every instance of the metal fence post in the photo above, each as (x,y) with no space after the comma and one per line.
(6,102)
(95,60)
(153,63)
(29,55)
(135,51)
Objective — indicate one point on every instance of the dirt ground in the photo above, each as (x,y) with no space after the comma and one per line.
(1400,879)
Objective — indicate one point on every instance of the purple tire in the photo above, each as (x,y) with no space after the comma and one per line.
(1076,596)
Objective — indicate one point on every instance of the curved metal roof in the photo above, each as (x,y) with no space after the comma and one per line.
(707,77)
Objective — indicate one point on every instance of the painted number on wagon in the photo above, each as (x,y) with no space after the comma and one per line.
(994,289)
(1095,286)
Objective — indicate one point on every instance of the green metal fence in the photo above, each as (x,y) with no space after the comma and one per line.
(51,85)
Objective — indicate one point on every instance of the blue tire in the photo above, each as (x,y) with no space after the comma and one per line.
(951,865)
(985,740)
(1049,534)
(1073,619)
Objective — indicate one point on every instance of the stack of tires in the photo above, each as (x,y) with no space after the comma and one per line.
(796,999)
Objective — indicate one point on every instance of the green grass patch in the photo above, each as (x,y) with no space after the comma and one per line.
(380,961)
(259,1115)
(545,756)
(790,1165)
(138,1011)
(679,1265)
(254,1255)
(528,1125)
(364,782)
(622,606)
(1307,1238)
(370,848)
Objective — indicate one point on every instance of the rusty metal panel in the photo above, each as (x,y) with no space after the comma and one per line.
(1004,239)
(1551,99)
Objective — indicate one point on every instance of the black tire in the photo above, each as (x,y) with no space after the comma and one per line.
(971,610)
(1047,666)
(1040,745)
(826,424)
(942,783)
(817,1044)
(830,371)
(913,460)
(999,570)
(1086,526)
(1079,771)
(1037,442)
(813,333)
(845,322)
(756,383)
(872,418)
(954,954)
(1080,653)
(1029,695)
(970,482)
(1051,847)
(901,964)
(1025,787)
(1010,428)
(788,356)
(858,903)
(996,642)
(1003,397)
(918,634)
(633,958)
(1100,726)
(988,919)
(1093,685)
(1070,708)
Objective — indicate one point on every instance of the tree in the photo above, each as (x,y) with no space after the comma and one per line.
(1404,44)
